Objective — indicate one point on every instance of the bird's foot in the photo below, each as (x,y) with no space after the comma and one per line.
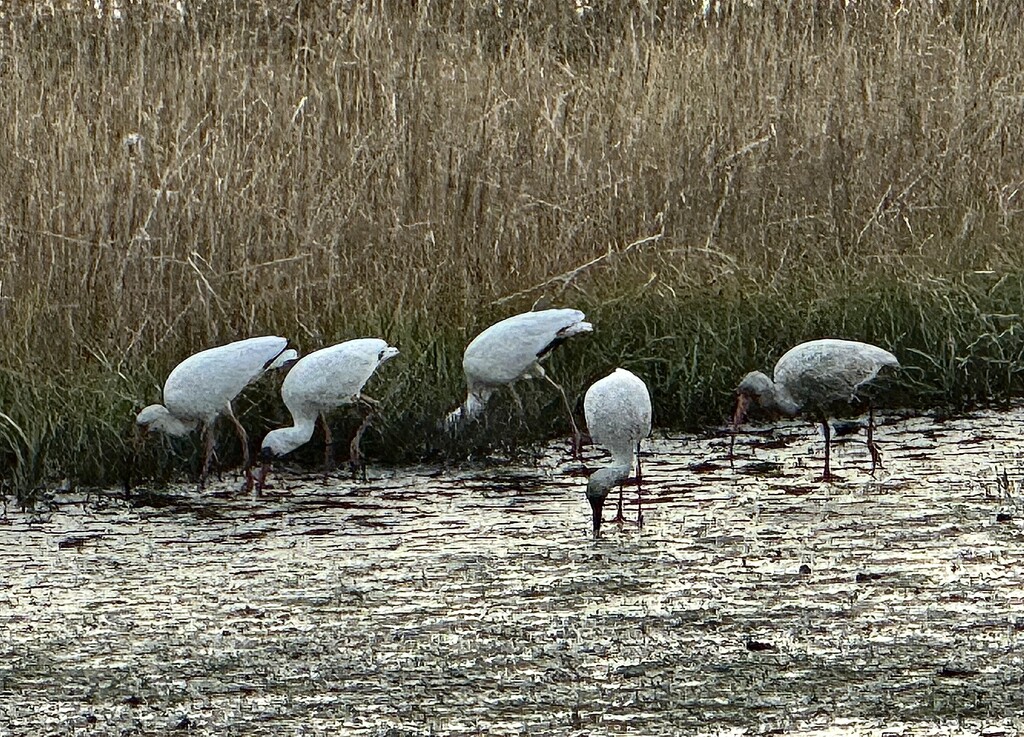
(876,458)
(260,477)
(250,486)
(577,445)
(828,477)
(358,469)
(357,463)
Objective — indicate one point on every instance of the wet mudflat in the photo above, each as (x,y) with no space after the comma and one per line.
(473,600)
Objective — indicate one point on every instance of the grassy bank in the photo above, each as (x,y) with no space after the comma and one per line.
(709,188)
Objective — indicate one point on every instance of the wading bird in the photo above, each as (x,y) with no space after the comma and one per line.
(820,377)
(320,382)
(203,386)
(618,411)
(511,350)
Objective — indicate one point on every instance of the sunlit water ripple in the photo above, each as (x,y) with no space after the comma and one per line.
(474,601)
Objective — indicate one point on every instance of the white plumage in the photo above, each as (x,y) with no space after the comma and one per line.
(321,381)
(618,412)
(819,377)
(203,386)
(511,350)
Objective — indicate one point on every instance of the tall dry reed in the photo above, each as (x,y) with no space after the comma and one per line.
(710,184)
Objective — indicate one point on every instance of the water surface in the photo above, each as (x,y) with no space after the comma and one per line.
(472,600)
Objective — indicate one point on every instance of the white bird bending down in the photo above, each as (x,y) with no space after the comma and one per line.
(203,386)
(321,381)
(511,350)
(819,377)
(618,411)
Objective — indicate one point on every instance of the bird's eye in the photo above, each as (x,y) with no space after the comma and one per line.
(380,356)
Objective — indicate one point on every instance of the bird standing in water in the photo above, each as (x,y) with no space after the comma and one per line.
(819,377)
(511,350)
(203,386)
(618,412)
(319,382)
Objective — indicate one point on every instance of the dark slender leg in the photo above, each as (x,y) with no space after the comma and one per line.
(369,401)
(620,517)
(261,481)
(577,436)
(876,458)
(639,490)
(356,460)
(827,476)
(244,438)
(519,400)
(328,447)
(207,454)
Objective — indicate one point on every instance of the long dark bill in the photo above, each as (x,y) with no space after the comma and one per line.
(742,404)
(596,505)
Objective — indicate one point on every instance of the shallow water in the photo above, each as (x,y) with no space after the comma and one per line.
(474,601)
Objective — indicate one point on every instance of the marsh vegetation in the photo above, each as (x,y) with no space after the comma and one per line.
(711,187)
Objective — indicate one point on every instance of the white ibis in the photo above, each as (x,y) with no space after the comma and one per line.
(618,412)
(203,386)
(817,377)
(511,350)
(319,382)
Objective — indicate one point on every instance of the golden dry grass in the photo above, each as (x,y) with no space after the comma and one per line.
(709,187)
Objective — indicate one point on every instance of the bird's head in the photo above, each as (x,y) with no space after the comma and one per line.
(276,444)
(157,418)
(754,388)
(151,417)
(452,421)
(754,385)
(285,359)
(599,484)
(386,354)
(468,411)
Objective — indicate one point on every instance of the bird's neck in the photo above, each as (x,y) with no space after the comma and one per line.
(476,401)
(605,479)
(467,411)
(778,399)
(172,425)
(619,471)
(290,438)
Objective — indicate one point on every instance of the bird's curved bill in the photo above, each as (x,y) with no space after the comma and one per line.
(140,432)
(740,414)
(596,505)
